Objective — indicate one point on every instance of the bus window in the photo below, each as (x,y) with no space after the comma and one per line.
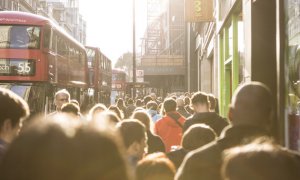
(24,37)
(54,42)
(47,37)
(4,36)
(34,37)
(19,37)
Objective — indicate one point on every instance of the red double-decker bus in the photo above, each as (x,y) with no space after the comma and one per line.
(100,74)
(37,58)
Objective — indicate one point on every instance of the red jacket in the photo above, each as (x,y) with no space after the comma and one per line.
(169,131)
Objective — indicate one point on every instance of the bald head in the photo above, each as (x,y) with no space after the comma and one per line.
(251,105)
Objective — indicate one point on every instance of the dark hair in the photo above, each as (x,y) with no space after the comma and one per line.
(74,101)
(147,99)
(130,101)
(187,101)
(138,103)
(116,110)
(200,98)
(50,150)
(112,117)
(197,135)
(152,105)
(143,117)
(120,103)
(70,108)
(131,131)
(155,166)
(169,105)
(12,107)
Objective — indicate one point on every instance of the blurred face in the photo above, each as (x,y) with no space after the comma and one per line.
(61,99)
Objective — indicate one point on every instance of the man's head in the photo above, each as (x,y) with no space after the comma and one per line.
(180,102)
(197,136)
(147,99)
(130,101)
(134,136)
(155,166)
(61,97)
(47,145)
(260,161)
(71,108)
(153,96)
(251,105)
(13,110)
(152,105)
(200,102)
(169,105)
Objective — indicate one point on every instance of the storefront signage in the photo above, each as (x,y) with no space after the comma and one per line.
(198,10)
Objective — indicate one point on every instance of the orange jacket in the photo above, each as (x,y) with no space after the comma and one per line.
(169,131)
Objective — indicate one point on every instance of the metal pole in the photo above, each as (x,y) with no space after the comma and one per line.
(133,50)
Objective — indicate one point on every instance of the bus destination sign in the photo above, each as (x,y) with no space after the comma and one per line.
(17,67)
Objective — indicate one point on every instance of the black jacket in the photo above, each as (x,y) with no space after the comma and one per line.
(183,112)
(212,119)
(155,144)
(205,162)
(177,156)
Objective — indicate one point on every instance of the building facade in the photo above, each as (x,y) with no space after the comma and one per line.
(64,12)
(251,41)
(163,47)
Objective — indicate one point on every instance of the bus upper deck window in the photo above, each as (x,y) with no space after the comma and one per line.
(47,37)
(19,37)
(25,37)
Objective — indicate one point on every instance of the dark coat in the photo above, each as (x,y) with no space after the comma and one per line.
(181,110)
(212,119)
(129,110)
(177,156)
(205,162)
(155,144)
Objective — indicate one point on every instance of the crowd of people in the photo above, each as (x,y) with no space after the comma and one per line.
(182,138)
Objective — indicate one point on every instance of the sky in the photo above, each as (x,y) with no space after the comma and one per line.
(109,25)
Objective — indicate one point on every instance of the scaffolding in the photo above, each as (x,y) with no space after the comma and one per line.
(165,28)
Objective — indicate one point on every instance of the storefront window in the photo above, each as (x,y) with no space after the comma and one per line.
(292,24)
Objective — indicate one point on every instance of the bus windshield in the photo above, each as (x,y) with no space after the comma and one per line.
(17,36)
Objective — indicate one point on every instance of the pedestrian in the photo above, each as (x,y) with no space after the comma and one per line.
(13,110)
(61,97)
(201,105)
(154,142)
(57,149)
(130,108)
(250,115)
(195,137)
(169,128)
(134,136)
(155,166)
(152,109)
(260,160)
(180,108)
